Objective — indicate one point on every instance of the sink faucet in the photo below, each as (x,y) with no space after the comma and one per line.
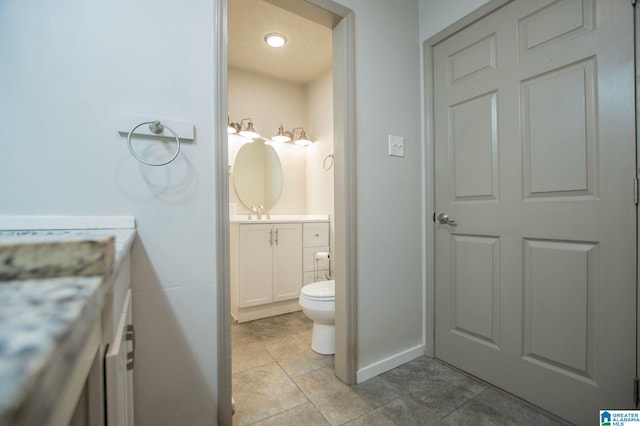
(258,210)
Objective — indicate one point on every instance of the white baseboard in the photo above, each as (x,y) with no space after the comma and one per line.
(16,223)
(390,363)
(265,311)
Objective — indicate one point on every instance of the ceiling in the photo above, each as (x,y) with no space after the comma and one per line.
(305,57)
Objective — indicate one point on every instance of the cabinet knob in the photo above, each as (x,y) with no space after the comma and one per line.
(317,235)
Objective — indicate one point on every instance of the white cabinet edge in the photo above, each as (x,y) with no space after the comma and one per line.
(66,222)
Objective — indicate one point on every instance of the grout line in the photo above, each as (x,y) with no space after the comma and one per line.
(374,409)
(511,396)
(463,404)
(252,367)
(312,403)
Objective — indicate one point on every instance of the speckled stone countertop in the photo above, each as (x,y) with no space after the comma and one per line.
(44,321)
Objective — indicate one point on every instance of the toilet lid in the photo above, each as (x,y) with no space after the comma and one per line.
(320,290)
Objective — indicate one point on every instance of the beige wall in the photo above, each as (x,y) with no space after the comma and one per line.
(269,103)
(319,112)
(307,188)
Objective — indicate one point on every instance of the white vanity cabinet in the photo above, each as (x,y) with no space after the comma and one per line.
(265,269)
(107,397)
(119,361)
(315,238)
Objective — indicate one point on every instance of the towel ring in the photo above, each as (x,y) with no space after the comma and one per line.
(329,157)
(156,127)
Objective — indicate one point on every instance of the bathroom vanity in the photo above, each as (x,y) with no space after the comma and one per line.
(66,336)
(271,259)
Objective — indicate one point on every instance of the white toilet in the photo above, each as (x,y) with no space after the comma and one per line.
(318,303)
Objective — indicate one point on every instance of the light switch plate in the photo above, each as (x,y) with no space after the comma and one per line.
(396,146)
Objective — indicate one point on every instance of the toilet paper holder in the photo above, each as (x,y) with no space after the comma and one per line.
(317,257)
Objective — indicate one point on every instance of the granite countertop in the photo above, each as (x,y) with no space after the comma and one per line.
(123,238)
(45,320)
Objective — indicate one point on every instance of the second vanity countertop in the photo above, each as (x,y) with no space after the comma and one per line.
(276,218)
(44,321)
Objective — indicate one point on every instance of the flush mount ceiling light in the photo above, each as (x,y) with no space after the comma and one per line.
(275,39)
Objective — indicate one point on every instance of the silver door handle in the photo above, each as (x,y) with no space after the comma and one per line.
(443,218)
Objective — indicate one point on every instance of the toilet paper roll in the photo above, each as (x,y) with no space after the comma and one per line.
(321,255)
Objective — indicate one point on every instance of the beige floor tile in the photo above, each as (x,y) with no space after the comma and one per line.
(273,330)
(262,392)
(296,357)
(279,380)
(248,355)
(306,415)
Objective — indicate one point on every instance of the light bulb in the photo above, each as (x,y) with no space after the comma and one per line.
(275,39)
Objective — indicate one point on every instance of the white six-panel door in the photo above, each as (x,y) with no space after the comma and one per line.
(533,117)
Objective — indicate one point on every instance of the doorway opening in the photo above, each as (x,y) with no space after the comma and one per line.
(235,84)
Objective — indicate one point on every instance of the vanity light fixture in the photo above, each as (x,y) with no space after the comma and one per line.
(248,131)
(287,136)
(232,127)
(302,140)
(282,136)
(275,39)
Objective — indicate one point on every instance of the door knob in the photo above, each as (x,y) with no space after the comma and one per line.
(443,218)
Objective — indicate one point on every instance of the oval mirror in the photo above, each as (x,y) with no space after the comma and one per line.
(257,175)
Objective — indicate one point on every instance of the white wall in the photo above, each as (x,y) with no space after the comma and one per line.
(67,68)
(389,189)
(436,15)
(270,102)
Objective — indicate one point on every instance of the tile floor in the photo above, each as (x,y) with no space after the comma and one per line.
(279,380)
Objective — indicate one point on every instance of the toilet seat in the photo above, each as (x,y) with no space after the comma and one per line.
(323,291)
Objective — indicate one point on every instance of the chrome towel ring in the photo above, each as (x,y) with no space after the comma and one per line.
(328,160)
(156,127)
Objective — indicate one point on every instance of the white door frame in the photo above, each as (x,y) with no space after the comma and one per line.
(345,202)
(636,30)
(429,161)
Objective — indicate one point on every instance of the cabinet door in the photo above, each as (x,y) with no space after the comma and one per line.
(119,371)
(256,265)
(287,261)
